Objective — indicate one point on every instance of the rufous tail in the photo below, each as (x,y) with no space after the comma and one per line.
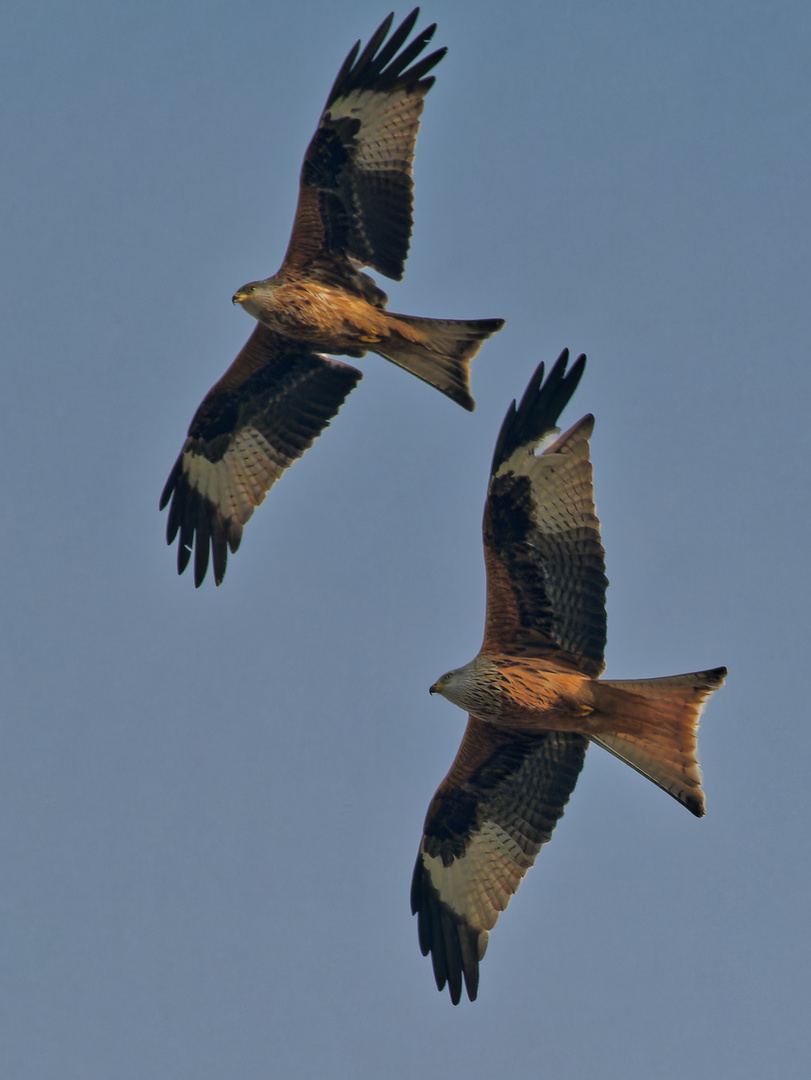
(666,712)
(438,351)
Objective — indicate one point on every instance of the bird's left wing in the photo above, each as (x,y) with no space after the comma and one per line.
(485,826)
(267,409)
(356,186)
(545,563)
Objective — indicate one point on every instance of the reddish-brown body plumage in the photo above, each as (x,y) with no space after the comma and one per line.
(533,692)
(329,318)
(354,210)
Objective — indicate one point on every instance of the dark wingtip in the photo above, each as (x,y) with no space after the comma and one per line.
(540,407)
(381,64)
(170,485)
(183,556)
(451,943)
(461,397)
(696,808)
(201,530)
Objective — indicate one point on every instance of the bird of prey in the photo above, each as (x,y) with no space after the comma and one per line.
(354,209)
(533,694)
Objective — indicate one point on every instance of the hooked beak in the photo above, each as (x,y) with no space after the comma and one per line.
(435,689)
(239,297)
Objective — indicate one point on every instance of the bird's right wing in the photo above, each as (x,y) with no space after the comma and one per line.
(265,411)
(545,562)
(355,192)
(486,823)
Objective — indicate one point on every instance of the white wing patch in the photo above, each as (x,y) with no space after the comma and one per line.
(479,885)
(241,479)
(562,481)
(389,125)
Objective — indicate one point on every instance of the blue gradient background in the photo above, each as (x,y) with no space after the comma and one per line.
(210,802)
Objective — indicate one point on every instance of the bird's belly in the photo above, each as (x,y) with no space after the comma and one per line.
(532,698)
(324,317)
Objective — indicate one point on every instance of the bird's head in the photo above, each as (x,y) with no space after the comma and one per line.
(474,687)
(439,686)
(255,297)
(456,685)
(243,294)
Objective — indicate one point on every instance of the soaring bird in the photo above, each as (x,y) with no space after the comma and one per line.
(533,692)
(354,209)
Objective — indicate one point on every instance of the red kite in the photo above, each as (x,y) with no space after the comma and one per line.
(533,693)
(354,209)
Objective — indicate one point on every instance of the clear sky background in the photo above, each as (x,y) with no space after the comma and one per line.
(211,801)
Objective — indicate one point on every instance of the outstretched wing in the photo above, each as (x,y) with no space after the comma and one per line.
(545,563)
(270,405)
(355,191)
(498,804)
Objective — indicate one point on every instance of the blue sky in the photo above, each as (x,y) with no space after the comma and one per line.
(211,801)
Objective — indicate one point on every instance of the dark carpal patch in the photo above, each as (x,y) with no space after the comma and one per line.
(457,815)
(558,580)
(513,538)
(289,402)
(330,153)
(455,818)
(522,788)
(273,399)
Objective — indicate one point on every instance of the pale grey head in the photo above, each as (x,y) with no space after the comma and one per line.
(474,687)
(254,297)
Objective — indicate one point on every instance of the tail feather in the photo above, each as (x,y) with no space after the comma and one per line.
(666,712)
(438,351)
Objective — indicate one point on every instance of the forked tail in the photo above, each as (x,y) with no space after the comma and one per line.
(438,351)
(666,713)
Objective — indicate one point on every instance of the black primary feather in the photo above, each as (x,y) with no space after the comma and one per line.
(386,70)
(540,408)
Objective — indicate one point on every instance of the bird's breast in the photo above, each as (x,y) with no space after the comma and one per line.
(533,695)
(325,317)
